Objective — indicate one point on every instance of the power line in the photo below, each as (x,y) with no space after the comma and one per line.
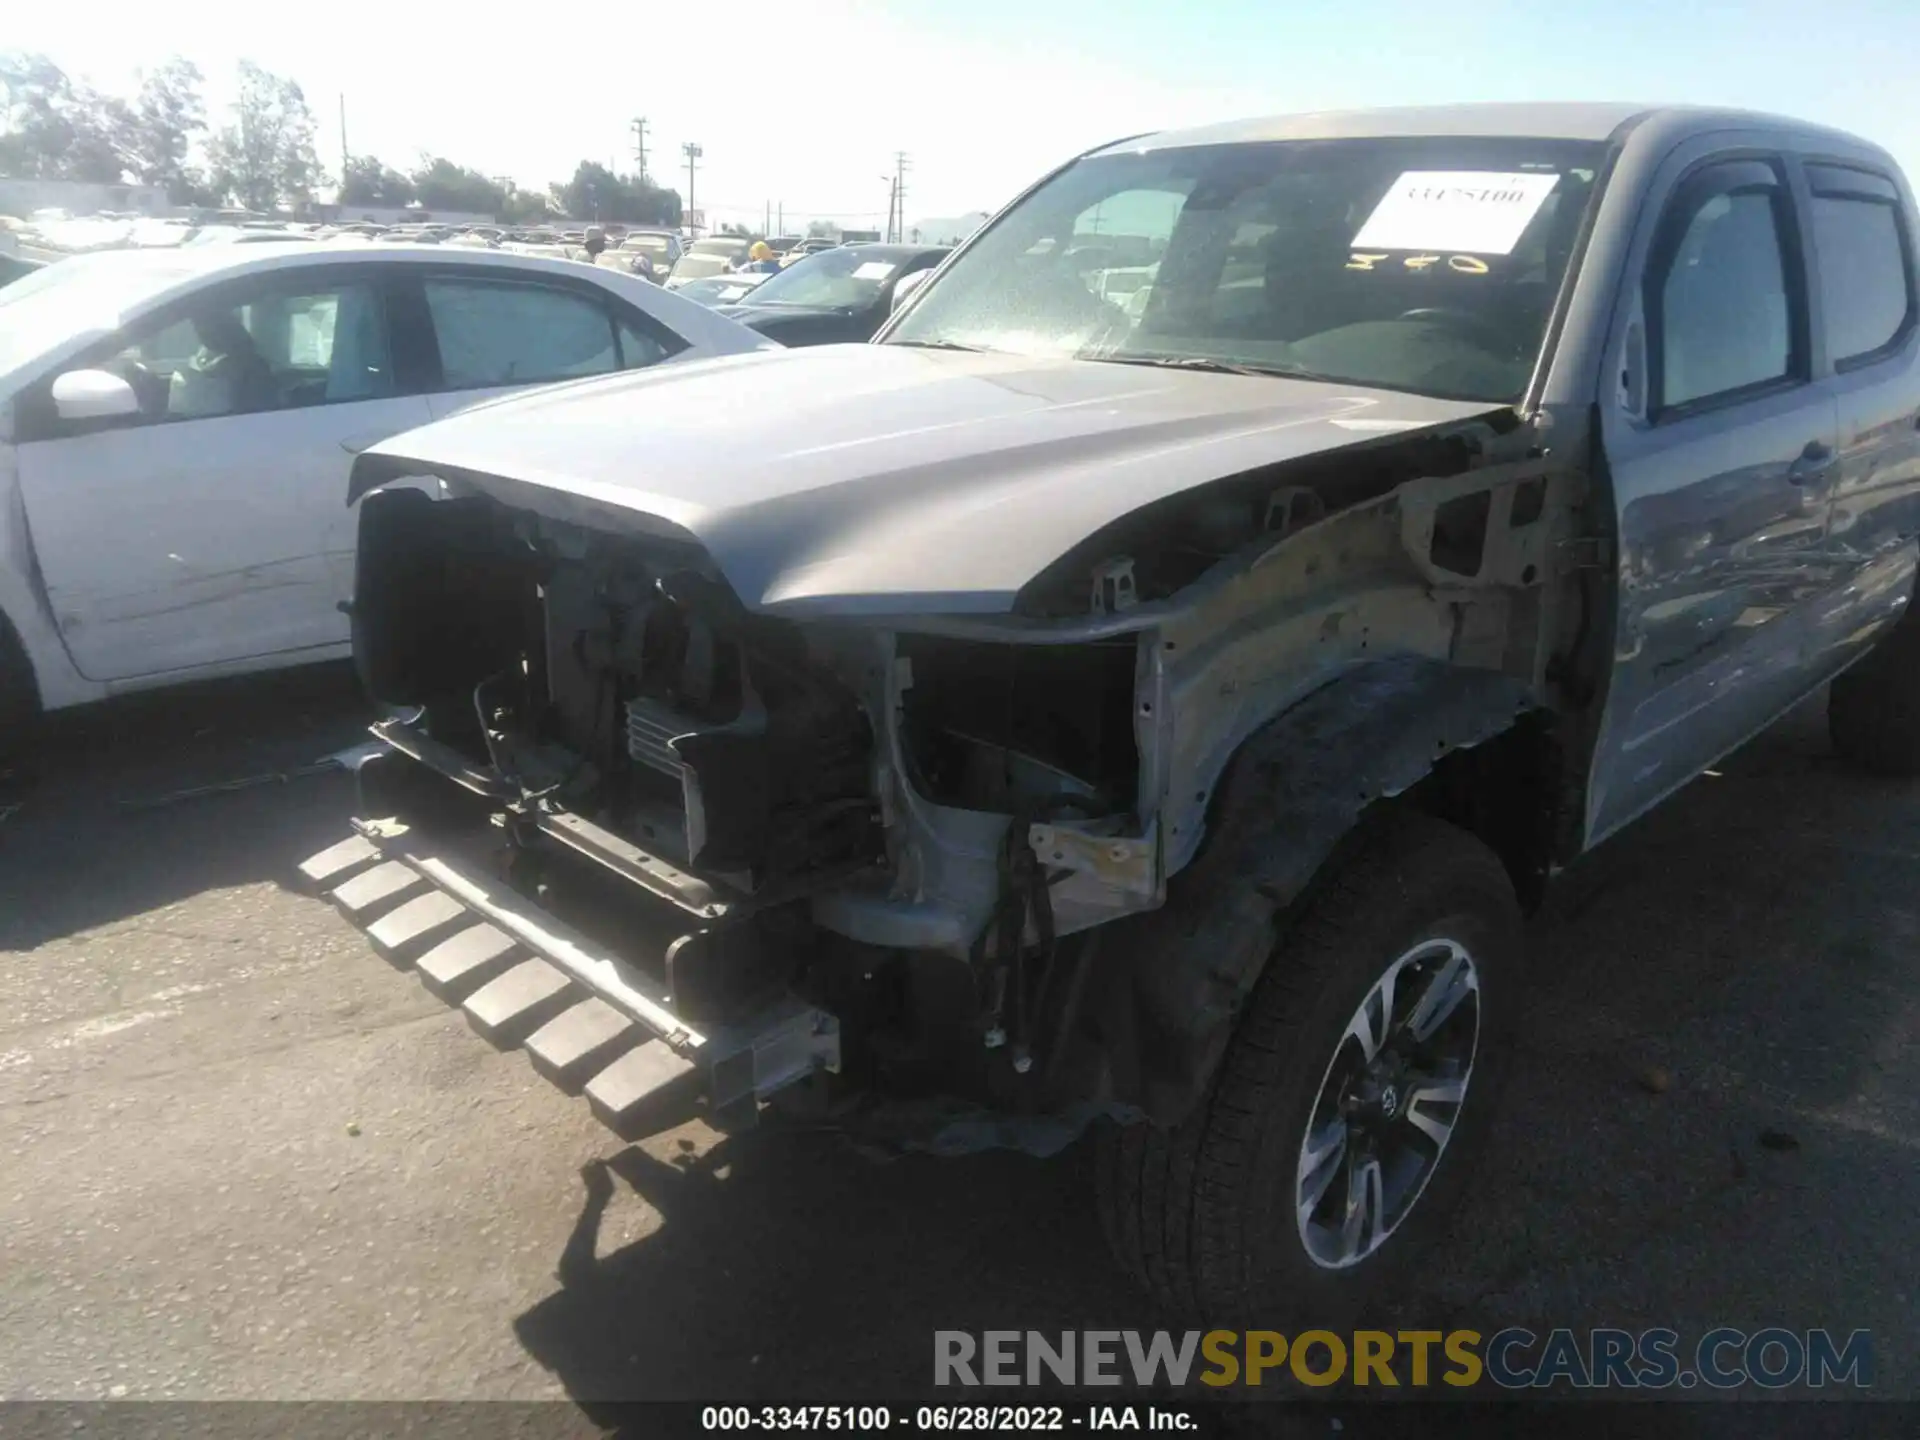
(693,153)
(899,195)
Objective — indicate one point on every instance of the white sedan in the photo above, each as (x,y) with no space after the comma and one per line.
(176,429)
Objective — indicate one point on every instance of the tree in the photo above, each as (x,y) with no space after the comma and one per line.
(154,133)
(597,193)
(526,207)
(265,156)
(822,229)
(587,196)
(50,128)
(442,185)
(93,155)
(370,183)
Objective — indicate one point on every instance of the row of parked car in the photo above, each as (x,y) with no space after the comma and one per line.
(1143,689)
(714,270)
(823,292)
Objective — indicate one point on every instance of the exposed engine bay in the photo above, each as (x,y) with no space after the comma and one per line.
(922,827)
(619,680)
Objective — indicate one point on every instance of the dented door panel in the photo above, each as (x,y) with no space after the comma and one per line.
(1725,562)
(201,542)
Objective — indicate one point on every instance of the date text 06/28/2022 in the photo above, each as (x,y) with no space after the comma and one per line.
(877,1419)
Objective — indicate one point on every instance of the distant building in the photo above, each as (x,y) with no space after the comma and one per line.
(80,197)
(399,215)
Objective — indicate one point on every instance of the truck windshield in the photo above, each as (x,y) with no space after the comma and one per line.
(1426,265)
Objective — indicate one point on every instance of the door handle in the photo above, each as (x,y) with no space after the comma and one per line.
(1816,458)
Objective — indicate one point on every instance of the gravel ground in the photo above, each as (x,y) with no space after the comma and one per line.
(246,1159)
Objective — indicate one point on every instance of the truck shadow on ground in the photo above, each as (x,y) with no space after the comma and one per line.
(1712,1085)
(119,809)
(787,1265)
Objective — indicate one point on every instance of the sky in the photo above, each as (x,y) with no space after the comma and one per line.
(802,104)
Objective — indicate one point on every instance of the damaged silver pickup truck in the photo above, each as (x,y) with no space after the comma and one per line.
(1146,688)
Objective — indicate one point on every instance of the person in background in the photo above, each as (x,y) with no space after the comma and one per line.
(761,260)
(592,244)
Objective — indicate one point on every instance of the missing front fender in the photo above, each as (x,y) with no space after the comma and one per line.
(1296,790)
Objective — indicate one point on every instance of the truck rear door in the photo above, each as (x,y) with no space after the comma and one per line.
(1868,323)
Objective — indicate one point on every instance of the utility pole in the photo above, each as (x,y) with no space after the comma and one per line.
(639,128)
(766,217)
(693,153)
(900,194)
(345,154)
(780,218)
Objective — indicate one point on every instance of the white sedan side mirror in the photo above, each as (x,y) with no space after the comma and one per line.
(93,395)
(908,284)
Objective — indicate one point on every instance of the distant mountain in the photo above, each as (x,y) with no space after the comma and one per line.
(943,231)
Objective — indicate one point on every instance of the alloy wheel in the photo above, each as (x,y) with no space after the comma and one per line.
(1388,1103)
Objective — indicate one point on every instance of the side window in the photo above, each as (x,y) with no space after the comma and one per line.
(279,350)
(639,348)
(1719,300)
(503,332)
(1864,263)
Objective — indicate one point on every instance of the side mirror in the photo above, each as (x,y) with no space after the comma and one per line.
(93,395)
(908,286)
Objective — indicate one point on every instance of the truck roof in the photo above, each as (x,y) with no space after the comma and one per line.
(1543,120)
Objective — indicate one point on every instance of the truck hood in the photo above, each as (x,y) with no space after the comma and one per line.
(870,480)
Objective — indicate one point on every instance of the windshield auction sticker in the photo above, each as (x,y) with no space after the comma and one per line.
(1477,211)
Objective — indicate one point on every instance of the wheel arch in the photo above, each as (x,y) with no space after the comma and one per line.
(28,629)
(1458,744)
(16,670)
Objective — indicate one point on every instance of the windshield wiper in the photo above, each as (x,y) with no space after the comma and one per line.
(1212,366)
(941,345)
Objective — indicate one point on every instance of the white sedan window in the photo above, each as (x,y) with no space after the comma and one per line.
(499,333)
(638,348)
(275,351)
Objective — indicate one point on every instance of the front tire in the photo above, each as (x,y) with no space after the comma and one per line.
(19,694)
(1340,1127)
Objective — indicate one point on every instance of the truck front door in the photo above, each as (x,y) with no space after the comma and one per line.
(1721,444)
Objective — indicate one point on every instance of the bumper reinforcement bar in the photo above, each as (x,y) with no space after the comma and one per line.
(589,1022)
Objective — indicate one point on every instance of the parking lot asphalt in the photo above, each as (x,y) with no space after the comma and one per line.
(245,1158)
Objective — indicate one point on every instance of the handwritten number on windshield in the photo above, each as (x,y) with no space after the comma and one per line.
(1459,264)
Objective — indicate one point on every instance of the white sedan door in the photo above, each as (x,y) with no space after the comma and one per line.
(197,534)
